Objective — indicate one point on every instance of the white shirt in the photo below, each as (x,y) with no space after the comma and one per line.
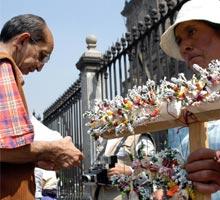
(43,133)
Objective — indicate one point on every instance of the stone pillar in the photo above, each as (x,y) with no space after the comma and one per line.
(89,64)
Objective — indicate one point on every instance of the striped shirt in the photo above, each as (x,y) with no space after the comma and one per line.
(15,126)
(179,138)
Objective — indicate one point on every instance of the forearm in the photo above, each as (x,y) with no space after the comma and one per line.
(49,155)
(28,153)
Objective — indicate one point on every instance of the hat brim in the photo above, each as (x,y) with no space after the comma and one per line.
(168,43)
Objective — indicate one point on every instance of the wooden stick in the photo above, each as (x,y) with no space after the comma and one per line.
(198,138)
(202,116)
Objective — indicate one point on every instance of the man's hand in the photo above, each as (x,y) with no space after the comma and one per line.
(203,167)
(61,154)
(120,169)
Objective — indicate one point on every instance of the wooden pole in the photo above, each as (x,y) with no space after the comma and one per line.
(198,138)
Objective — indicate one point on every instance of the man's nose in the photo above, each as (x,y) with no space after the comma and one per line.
(39,67)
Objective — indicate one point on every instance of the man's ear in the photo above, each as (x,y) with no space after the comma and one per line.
(22,39)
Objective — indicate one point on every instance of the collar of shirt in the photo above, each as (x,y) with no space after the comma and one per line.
(20,76)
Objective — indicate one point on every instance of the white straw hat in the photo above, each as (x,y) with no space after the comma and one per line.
(208,10)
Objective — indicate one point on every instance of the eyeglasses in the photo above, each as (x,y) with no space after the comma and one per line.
(42,56)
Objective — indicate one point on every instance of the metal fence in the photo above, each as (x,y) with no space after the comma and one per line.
(64,115)
(133,60)
(137,57)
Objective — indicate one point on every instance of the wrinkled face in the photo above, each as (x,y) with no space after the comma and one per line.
(198,42)
(36,54)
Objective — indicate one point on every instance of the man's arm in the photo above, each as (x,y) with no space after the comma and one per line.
(49,155)
(24,154)
(16,132)
(16,129)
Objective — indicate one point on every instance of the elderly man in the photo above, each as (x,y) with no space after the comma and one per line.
(25,46)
